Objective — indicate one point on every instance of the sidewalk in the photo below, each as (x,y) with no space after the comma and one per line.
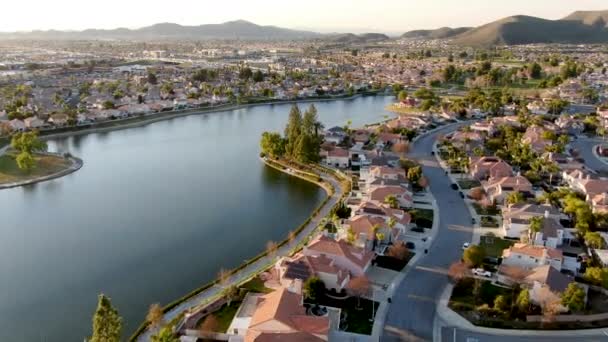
(256,267)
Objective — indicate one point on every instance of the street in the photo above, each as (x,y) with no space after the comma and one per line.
(412,312)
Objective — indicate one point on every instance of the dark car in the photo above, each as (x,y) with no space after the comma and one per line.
(454,186)
(461,194)
(473,221)
(410,245)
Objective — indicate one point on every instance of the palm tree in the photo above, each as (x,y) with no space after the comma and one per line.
(392,201)
(391,224)
(375,229)
(536,224)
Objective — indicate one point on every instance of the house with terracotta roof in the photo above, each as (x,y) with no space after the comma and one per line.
(281,316)
(366,229)
(301,267)
(534,137)
(464,139)
(483,168)
(484,126)
(584,183)
(516,218)
(380,193)
(599,203)
(378,209)
(497,189)
(531,256)
(344,255)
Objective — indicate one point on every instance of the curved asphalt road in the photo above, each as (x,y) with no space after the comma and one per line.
(585,147)
(412,312)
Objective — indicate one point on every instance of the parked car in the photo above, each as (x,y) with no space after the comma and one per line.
(465,245)
(454,186)
(410,245)
(480,272)
(461,194)
(473,221)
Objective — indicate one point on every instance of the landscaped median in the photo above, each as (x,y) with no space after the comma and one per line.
(293,246)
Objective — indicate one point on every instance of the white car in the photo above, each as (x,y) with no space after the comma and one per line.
(480,272)
(465,245)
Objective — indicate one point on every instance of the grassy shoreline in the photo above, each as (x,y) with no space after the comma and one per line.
(46,165)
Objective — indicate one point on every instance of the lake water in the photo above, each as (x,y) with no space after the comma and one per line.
(155,212)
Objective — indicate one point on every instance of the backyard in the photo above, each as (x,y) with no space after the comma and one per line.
(493,246)
(467,184)
(489,222)
(356,314)
(489,211)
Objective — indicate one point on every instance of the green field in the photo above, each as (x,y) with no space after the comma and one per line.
(494,246)
(45,165)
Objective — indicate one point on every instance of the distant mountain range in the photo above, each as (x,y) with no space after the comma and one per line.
(583,27)
(239,29)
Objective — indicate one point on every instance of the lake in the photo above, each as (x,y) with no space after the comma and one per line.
(155,212)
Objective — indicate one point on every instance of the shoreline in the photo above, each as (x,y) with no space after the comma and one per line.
(285,247)
(133,122)
(76,165)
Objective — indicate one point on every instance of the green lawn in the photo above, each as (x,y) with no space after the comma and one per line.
(467,184)
(489,222)
(422,217)
(45,165)
(491,211)
(494,246)
(357,315)
(221,318)
(256,285)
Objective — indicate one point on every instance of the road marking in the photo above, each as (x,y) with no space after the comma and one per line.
(437,270)
(421,298)
(460,228)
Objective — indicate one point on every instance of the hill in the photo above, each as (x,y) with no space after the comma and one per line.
(350,38)
(239,29)
(578,28)
(440,33)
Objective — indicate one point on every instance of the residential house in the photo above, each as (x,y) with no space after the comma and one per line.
(468,140)
(482,168)
(59,120)
(335,135)
(534,137)
(484,126)
(497,189)
(516,218)
(301,267)
(281,316)
(380,193)
(599,203)
(338,157)
(33,122)
(545,283)
(551,233)
(17,125)
(530,256)
(362,226)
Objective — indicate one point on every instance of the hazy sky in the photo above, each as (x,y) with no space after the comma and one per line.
(323,15)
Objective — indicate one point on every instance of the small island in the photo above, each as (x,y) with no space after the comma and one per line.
(26,161)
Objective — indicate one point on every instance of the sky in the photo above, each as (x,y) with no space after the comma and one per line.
(388,16)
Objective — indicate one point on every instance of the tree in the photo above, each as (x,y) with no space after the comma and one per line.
(314,289)
(392,201)
(272,144)
(107,324)
(573,297)
(231,293)
(398,251)
(28,142)
(152,79)
(594,240)
(402,95)
(536,71)
(165,335)
(457,271)
(536,224)
(501,304)
(523,301)
(515,197)
(359,287)
(473,256)
(477,193)
(414,174)
(25,161)
(155,315)
(258,76)
(596,276)
(293,130)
